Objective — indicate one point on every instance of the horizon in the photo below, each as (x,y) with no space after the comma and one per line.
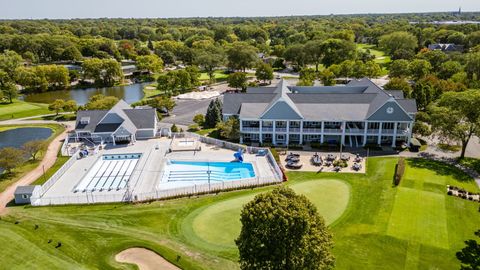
(150,9)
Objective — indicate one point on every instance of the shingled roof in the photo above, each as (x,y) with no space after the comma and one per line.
(126,117)
(356,101)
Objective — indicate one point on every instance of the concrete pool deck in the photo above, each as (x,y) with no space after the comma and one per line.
(147,175)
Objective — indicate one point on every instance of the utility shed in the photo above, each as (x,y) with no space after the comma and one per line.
(23,193)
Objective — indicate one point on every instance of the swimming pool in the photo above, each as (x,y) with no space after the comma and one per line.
(110,172)
(177,170)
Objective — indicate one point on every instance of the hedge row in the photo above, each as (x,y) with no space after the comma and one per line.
(399,171)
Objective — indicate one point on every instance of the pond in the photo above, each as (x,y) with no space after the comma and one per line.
(18,136)
(130,93)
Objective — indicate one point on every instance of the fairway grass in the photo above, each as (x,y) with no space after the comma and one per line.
(375,225)
(21,109)
(329,196)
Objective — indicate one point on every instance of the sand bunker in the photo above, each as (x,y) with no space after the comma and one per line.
(145,259)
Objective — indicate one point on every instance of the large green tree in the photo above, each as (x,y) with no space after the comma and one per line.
(242,56)
(469,256)
(283,230)
(210,58)
(214,114)
(336,51)
(398,41)
(456,116)
(10,158)
(238,80)
(151,63)
(264,72)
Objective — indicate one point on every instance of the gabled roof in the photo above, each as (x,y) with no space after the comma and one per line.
(282,107)
(123,116)
(356,101)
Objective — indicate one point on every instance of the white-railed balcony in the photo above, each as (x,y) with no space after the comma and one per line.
(388,131)
(373,131)
(332,130)
(281,129)
(267,129)
(354,131)
(294,130)
(312,130)
(250,129)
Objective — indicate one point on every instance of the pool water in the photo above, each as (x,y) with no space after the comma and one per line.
(204,171)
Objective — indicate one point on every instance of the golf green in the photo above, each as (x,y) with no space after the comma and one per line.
(219,223)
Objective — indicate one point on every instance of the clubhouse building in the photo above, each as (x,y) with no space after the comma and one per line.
(354,114)
(121,124)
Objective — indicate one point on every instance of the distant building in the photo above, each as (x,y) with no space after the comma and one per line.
(121,124)
(22,194)
(445,47)
(356,114)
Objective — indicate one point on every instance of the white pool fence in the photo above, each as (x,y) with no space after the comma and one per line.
(129,195)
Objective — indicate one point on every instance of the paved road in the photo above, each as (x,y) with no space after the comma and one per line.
(185,110)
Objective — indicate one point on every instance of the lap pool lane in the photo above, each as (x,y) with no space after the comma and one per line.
(217,225)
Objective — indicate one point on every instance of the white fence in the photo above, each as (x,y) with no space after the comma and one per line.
(204,188)
(54,178)
(129,196)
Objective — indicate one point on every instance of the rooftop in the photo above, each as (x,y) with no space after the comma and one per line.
(357,101)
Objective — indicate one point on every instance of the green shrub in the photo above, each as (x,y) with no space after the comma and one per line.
(295,146)
(399,171)
(275,155)
(193,128)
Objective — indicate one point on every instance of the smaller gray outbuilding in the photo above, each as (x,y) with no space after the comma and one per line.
(23,193)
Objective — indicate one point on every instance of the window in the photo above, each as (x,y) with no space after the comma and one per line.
(280,137)
(25,196)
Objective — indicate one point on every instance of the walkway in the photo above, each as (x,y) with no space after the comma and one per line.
(47,162)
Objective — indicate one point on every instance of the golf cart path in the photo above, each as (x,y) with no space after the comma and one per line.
(145,259)
(47,162)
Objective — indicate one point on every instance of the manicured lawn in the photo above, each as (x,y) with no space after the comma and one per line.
(20,109)
(20,171)
(380,56)
(375,225)
(219,75)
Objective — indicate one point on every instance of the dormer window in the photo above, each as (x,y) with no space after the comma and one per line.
(85,120)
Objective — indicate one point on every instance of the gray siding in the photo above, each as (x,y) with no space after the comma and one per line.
(143,134)
(281,110)
(397,115)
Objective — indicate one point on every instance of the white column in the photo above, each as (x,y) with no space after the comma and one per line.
(344,127)
(113,139)
(365,133)
(379,139)
(322,130)
(287,136)
(301,132)
(274,135)
(241,125)
(260,139)
(410,127)
(394,139)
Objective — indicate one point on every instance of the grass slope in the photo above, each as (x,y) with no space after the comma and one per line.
(414,226)
(20,109)
(20,171)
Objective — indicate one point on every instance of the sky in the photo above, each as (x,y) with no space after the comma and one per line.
(66,9)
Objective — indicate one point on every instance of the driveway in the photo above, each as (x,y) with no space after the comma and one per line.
(186,109)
